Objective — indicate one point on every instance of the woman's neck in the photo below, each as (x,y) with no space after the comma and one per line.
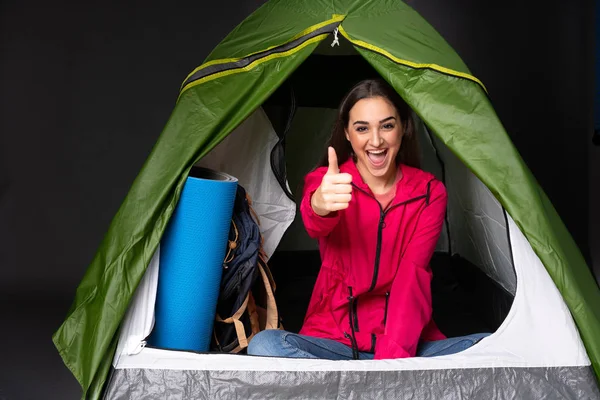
(380,184)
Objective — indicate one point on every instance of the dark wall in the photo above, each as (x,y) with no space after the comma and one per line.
(594,157)
(87,89)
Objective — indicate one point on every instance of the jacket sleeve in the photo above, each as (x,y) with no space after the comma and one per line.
(410,309)
(315,225)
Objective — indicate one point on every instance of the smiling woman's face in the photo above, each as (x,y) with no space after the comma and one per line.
(375,133)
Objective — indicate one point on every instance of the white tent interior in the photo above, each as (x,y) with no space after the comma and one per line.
(537,332)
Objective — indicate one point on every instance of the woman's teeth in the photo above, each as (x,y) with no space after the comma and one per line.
(377,157)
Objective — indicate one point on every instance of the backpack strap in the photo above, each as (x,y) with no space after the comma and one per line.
(272,321)
(261,252)
(253,315)
(239,326)
(263,258)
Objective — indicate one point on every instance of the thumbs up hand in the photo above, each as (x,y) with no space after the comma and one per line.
(335,191)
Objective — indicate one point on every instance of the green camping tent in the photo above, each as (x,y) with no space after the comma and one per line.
(226,92)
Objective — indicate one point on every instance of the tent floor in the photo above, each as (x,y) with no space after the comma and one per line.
(465,300)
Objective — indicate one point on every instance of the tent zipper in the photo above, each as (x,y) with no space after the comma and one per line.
(215,68)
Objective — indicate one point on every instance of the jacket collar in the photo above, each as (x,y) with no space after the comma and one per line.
(408,187)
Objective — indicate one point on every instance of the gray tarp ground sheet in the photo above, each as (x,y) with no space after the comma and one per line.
(482,383)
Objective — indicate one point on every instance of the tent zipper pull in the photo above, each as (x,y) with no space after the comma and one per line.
(139,347)
(335,38)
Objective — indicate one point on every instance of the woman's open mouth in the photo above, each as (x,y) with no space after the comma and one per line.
(377,157)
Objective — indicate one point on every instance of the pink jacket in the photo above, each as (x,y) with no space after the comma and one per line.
(373,291)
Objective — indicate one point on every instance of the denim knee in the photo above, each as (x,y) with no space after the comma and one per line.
(266,343)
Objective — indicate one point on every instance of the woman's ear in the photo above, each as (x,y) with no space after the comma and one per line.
(347,135)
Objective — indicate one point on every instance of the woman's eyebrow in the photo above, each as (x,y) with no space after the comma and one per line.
(381,122)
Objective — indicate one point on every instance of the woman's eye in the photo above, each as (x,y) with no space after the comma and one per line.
(361,129)
(388,126)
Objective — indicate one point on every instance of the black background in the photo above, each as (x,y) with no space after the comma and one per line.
(87,87)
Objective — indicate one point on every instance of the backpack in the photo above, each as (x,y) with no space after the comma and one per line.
(246,303)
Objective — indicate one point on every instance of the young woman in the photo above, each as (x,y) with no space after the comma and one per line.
(377,218)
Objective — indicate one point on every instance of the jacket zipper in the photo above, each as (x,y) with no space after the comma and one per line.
(355,313)
(381,225)
(378,250)
(387,299)
(354,345)
(352,307)
(353,319)
(373,342)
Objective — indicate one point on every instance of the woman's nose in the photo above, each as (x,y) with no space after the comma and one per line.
(376,139)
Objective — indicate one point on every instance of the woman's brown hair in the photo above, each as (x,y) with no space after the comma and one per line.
(409,150)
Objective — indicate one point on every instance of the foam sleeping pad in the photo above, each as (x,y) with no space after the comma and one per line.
(192,250)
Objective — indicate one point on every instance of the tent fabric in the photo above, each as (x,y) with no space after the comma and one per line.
(139,319)
(476,221)
(424,70)
(560,383)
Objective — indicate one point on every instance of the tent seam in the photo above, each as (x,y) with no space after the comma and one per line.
(408,63)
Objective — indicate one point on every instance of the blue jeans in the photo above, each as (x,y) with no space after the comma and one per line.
(278,343)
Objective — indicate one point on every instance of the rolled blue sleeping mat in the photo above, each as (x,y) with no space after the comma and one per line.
(192,250)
